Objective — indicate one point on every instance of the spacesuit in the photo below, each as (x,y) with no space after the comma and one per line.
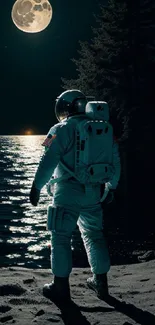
(73,203)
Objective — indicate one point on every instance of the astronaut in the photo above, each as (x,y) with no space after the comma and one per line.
(73,203)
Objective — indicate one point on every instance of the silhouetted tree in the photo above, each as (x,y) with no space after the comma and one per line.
(103,65)
(104,70)
(118,65)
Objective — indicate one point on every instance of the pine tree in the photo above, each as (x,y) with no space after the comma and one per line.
(103,68)
(87,71)
(118,66)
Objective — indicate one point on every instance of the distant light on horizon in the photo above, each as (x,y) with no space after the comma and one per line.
(29,132)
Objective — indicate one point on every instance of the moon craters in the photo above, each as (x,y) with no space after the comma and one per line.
(46,6)
(25,21)
(24,8)
(31,16)
(38,8)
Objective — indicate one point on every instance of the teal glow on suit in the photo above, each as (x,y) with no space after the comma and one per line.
(75,205)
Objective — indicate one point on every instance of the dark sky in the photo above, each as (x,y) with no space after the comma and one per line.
(31,65)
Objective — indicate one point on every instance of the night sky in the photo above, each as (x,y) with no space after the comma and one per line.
(31,65)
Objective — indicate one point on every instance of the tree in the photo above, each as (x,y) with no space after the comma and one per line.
(103,67)
(118,66)
(87,71)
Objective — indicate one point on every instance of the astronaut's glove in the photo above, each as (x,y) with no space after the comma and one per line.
(34,195)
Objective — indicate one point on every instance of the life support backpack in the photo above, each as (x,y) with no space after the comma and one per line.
(94,148)
(94,143)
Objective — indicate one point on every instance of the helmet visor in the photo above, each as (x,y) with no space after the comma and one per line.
(64,108)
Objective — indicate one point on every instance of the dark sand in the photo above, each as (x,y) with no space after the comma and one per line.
(132,286)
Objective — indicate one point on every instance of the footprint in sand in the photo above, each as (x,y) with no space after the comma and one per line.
(134,292)
(81,285)
(40,313)
(11,289)
(86,272)
(5,318)
(21,301)
(4,308)
(28,281)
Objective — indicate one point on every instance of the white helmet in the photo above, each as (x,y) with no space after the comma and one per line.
(69,103)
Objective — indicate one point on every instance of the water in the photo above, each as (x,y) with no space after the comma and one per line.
(24,240)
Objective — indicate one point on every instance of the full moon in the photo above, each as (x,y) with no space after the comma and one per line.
(31,16)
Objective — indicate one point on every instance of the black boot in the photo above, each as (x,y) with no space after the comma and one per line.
(58,290)
(99,284)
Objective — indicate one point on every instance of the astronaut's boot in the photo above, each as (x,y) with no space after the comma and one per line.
(99,284)
(58,290)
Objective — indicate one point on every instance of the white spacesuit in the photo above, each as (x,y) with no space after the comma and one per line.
(73,202)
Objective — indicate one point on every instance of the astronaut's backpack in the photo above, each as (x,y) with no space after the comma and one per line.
(94,143)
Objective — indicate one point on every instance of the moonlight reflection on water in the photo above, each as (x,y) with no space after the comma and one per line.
(24,238)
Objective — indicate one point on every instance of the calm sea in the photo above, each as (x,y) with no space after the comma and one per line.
(24,240)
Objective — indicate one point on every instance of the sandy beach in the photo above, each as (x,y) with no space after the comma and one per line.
(131,288)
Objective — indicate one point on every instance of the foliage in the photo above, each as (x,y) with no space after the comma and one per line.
(103,66)
(118,65)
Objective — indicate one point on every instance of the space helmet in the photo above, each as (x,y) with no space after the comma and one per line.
(69,103)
